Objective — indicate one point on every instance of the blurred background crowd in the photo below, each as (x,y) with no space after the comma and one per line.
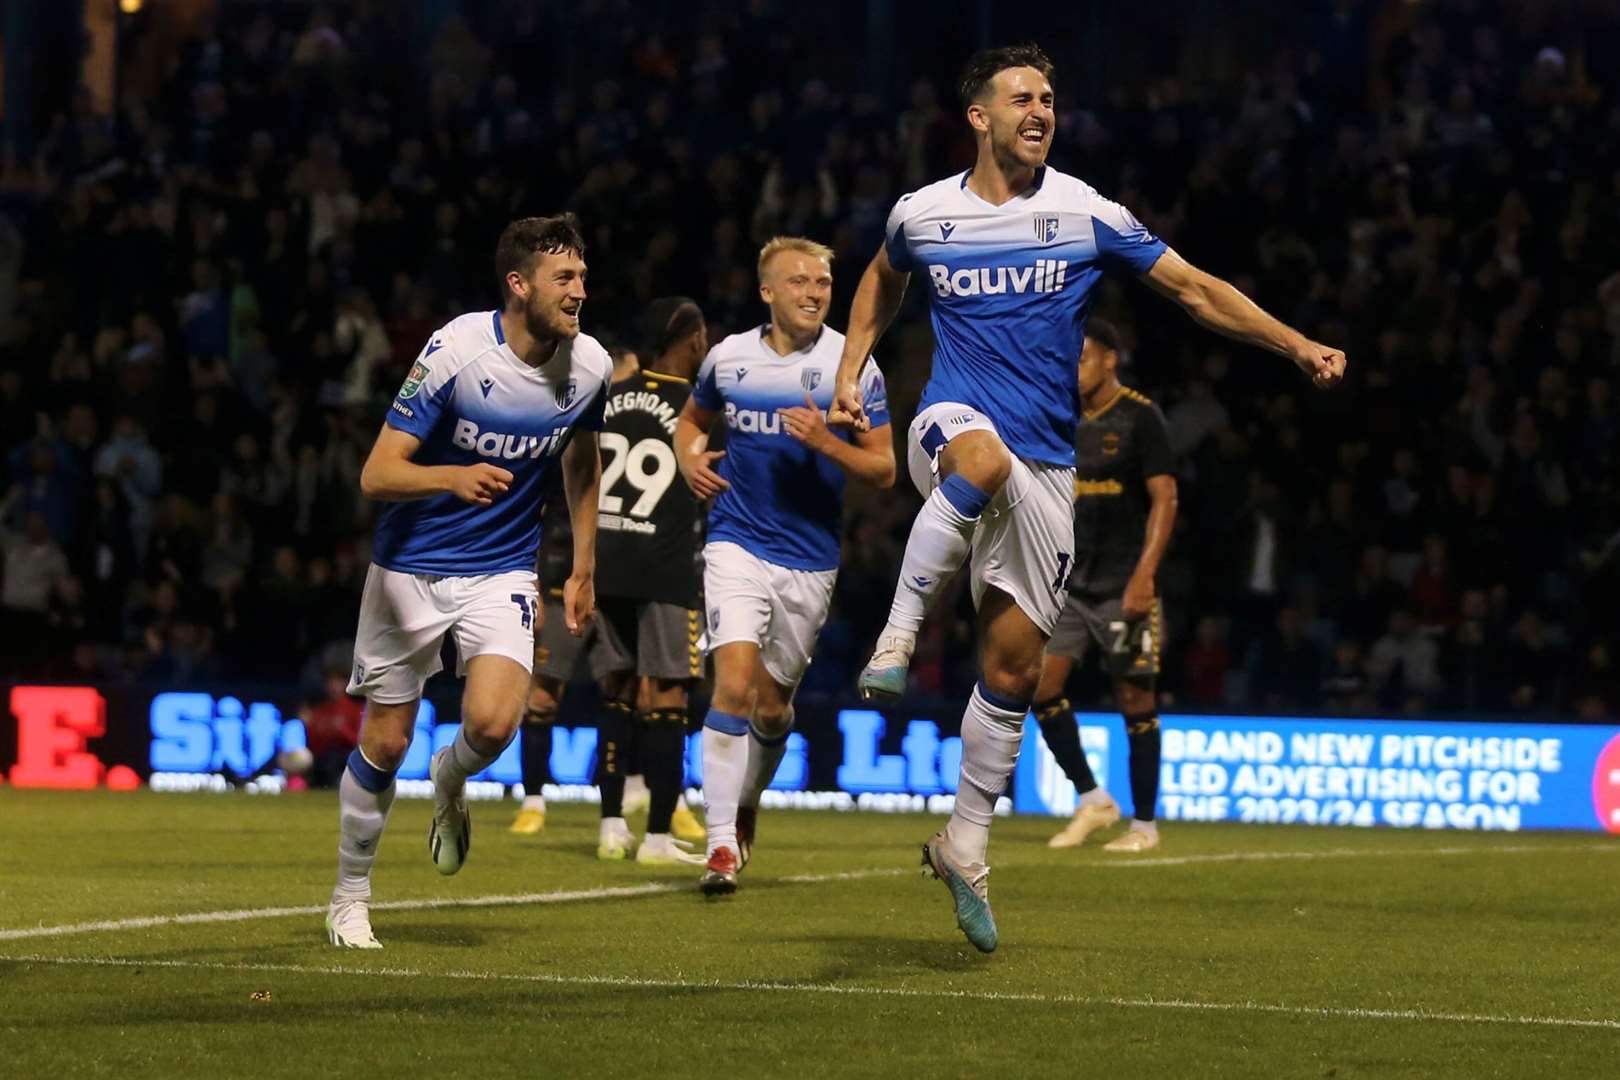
(209,290)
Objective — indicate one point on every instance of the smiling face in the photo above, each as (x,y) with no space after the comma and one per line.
(797,286)
(1015,113)
(552,295)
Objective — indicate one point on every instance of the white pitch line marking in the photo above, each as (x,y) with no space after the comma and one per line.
(657,888)
(1355,853)
(634,983)
(496,900)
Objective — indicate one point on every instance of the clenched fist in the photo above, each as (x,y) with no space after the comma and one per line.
(480,484)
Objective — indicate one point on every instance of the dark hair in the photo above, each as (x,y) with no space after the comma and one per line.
(527,238)
(985,64)
(668,320)
(1105,334)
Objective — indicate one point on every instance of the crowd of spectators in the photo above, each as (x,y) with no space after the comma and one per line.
(207,297)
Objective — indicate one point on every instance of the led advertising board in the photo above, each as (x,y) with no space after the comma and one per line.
(1274,770)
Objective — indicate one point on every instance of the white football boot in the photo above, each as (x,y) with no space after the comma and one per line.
(662,849)
(348,923)
(1134,840)
(450,835)
(1087,820)
(615,840)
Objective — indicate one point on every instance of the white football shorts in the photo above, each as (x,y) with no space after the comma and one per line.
(404,617)
(778,609)
(1024,543)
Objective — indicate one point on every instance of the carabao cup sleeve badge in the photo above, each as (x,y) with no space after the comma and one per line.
(413,381)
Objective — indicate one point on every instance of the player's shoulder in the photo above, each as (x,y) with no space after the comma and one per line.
(659,380)
(940,196)
(1143,406)
(1135,397)
(472,333)
(450,348)
(744,343)
(591,356)
(1113,220)
(1059,182)
(830,342)
(671,389)
(1071,192)
(462,340)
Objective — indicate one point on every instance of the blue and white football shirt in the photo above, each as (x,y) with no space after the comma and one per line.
(785,503)
(1011,288)
(470,399)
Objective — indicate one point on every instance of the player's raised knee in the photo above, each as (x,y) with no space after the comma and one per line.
(491,718)
(386,749)
(386,734)
(978,457)
(1012,678)
(733,691)
(773,720)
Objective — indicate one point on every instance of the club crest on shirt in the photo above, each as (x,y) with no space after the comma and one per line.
(566,398)
(413,381)
(1110,442)
(810,379)
(1046,228)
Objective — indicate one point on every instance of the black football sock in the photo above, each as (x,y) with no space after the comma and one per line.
(613,757)
(1062,735)
(536,756)
(1145,740)
(663,763)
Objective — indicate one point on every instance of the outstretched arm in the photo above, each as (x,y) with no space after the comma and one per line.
(876,303)
(1217,305)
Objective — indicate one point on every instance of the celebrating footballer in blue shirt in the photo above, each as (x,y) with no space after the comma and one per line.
(773,541)
(499,407)
(1012,251)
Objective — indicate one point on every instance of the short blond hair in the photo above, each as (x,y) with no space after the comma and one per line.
(804,245)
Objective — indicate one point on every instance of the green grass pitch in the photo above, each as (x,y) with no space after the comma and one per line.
(1231,951)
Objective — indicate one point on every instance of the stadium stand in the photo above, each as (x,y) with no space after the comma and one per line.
(285,205)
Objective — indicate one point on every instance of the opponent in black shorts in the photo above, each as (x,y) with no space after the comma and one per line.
(644,648)
(1124,511)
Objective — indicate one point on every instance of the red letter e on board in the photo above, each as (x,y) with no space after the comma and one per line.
(53,723)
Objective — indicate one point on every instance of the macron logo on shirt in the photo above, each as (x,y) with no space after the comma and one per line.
(1046,276)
